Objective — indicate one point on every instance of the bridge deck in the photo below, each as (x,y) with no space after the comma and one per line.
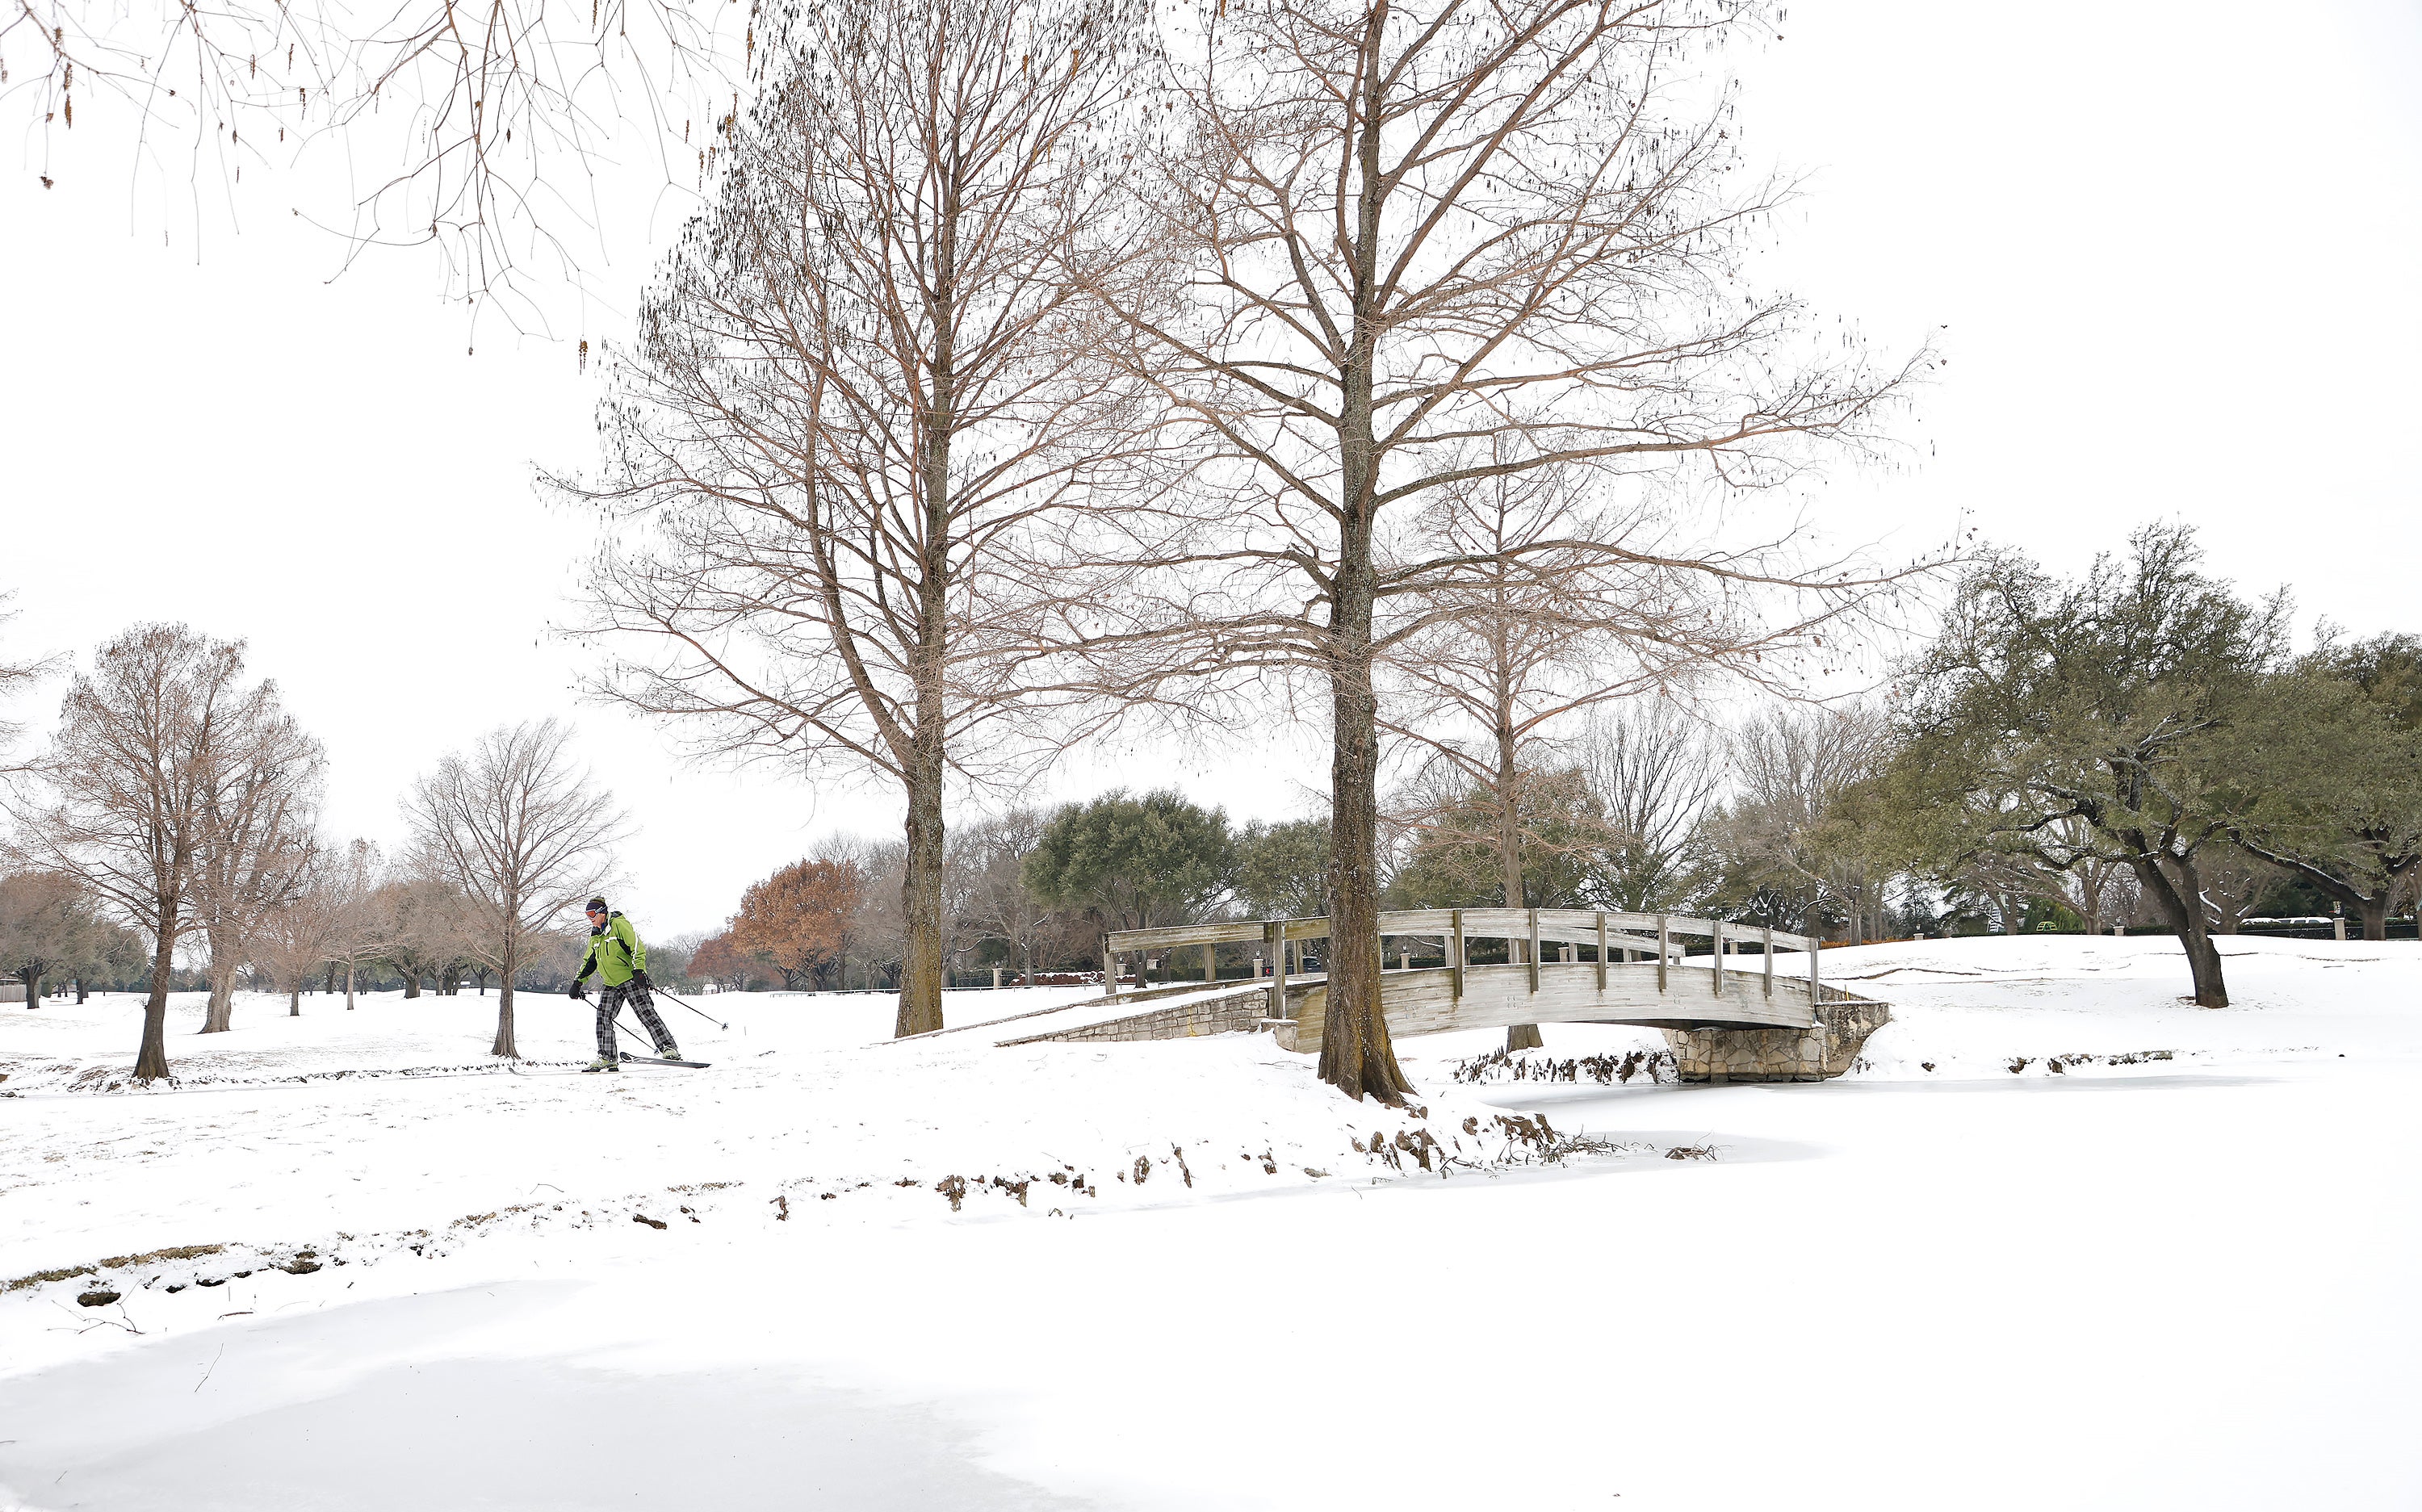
(1425,1002)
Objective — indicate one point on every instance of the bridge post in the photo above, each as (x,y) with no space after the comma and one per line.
(1770,960)
(1665,948)
(1601,952)
(1454,956)
(1534,950)
(1816,947)
(1109,969)
(1716,959)
(1274,941)
(1210,963)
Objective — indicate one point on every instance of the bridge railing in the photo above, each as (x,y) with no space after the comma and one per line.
(1615,937)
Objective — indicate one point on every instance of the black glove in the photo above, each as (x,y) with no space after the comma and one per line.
(641,978)
(580,987)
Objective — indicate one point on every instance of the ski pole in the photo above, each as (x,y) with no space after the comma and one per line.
(700,1012)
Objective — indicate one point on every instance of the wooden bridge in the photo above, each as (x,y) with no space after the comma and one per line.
(1557,965)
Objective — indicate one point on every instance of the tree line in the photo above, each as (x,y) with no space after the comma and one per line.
(2135,748)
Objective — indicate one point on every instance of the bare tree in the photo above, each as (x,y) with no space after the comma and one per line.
(298,937)
(1794,766)
(1536,637)
(999,906)
(124,802)
(417,925)
(1435,247)
(2099,891)
(326,923)
(878,931)
(47,924)
(2235,880)
(351,880)
(864,403)
(1655,770)
(524,835)
(261,806)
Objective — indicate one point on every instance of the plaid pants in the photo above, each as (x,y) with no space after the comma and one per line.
(609,1002)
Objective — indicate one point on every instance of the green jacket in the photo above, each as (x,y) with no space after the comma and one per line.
(614,953)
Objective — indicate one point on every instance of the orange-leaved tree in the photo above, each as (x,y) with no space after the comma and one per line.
(720,961)
(798,919)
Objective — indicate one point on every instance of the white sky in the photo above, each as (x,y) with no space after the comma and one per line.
(2168,247)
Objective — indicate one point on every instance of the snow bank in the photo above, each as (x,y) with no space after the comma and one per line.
(390,1124)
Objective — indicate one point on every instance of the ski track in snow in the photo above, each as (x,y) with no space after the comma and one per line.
(1991,1268)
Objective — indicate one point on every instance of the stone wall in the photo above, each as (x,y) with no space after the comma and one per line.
(1236,1013)
(1814,1054)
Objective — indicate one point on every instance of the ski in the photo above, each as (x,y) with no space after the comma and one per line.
(628,1059)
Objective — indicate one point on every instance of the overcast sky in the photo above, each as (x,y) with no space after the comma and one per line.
(2169,249)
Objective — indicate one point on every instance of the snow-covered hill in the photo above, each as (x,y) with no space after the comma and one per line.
(2061,1241)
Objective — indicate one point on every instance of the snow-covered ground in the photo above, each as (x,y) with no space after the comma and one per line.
(2061,1241)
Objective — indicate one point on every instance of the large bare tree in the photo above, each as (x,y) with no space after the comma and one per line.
(261,806)
(1435,245)
(524,835)
(124,800)
(865,405)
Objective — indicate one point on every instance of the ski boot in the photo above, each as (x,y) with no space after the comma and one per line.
(601,1065)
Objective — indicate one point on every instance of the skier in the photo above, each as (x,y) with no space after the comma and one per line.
(620,963)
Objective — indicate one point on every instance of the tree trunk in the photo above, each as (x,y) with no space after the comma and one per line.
(1509,856)
(411,985)
(2374,913)
(328,988)
(504,1045)
(920,971)
(220,1016)
(152,1061)
(2182,901)
(1356,1055)
(81,993)
(349,986)
(294,1001)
